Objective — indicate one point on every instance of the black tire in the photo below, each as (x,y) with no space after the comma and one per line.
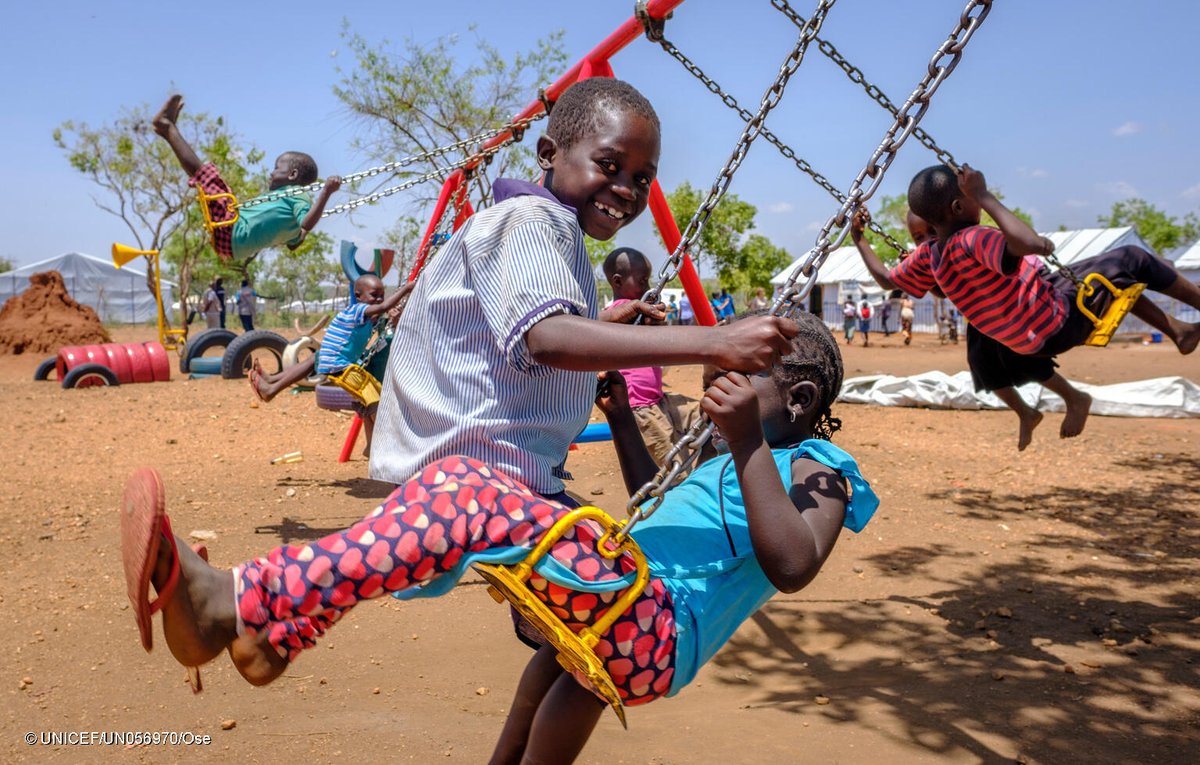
(239,356)
(203,341)
(87,375)
(334,398)
(45,368)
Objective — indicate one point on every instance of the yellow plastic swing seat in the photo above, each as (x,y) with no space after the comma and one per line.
(359,383)
(576,652)
(232,206)
(1122,301)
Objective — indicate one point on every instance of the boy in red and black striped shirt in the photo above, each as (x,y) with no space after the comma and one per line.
(1013,298)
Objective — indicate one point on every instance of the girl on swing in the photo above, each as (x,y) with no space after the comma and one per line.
(759,518)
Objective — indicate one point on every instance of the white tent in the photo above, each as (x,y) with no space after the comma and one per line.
(1187,260)
(118,295)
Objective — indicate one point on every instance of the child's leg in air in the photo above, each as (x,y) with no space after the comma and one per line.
(1030,418)
(164,125)
(1079,404)
(268,386)
(1184,334)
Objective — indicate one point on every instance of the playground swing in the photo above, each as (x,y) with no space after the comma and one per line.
(227,205)
(509,583)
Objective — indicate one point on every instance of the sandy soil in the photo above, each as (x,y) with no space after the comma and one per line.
(1035,607)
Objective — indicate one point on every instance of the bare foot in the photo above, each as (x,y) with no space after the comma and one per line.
(1078,408)
(167,115)
(1029,421)
(1188,339)
(259,384)
(199,619)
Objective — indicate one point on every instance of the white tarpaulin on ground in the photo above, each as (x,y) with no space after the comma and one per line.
(117,294)
(1175,397)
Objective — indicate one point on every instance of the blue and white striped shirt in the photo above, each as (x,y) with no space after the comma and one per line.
(345,339)
(460,379)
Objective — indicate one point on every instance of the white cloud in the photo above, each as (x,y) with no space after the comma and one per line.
(780,207)
(1191,192)
(815,225)
(1033,172)
(1127,129)
(1118,188)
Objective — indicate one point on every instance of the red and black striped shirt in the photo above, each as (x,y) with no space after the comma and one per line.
(1018,308)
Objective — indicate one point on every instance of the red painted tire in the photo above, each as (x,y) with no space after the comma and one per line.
(95,354)
(160,366)
(69,357)
(139,362)
(117,360)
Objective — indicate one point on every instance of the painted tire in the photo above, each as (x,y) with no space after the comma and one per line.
(203,341)
(160,366)
(240,353)
(117,359)
(299,351)
(139,363)
(334,398)
(45,368)
(88,375)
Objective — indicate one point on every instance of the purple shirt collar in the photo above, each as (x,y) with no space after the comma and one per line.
(506,188)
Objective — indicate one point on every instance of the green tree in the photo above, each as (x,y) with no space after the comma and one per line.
(6,264)
(757,261)
(1161,231)
(419,96)
(723,235)
(144,186)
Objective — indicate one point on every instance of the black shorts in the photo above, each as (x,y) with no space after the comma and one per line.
(1124,266)
(994,365)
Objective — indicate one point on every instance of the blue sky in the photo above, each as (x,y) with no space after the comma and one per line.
(1067,106)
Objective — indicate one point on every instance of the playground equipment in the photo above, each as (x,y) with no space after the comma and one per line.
(82,366)
(509,582)
(171,339)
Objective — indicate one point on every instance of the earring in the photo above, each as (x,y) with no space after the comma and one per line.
(792,415)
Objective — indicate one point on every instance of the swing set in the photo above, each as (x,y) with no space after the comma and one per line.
(510,582)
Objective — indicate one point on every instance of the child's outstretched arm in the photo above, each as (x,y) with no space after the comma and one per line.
(637,466)
(1020,239)
(389,302)
(332,184)
(858,224)
(793,529)
(572,342)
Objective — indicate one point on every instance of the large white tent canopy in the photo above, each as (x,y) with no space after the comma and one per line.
(117,294)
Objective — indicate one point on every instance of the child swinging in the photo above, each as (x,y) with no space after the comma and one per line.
(761,517)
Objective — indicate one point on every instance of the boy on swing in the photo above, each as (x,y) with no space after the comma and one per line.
(1014,299)
(279,222)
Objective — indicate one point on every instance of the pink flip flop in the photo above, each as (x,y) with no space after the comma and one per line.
(144,526)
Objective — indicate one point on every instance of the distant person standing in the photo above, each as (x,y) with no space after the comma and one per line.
(849,319)
(672,311)
(219,288)
(724,307)
(864,321)
(885,313)
(906,318)
(246,299)
(686,315)
(759,301)
(210,306)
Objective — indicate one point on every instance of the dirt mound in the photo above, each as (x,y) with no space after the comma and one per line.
(45,317)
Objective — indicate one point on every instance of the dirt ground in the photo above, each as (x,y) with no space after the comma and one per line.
(1036,607)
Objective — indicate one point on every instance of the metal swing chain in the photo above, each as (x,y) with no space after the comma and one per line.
(517,127)
(675,463)
(856,76)
(654,31)
(440,236)
(791,298)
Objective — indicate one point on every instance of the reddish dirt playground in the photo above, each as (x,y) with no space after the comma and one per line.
(1037,607)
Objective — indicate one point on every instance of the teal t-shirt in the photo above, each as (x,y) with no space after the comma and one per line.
(270,224)
(713,577)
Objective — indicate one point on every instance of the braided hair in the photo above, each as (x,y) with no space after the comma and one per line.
(814,358)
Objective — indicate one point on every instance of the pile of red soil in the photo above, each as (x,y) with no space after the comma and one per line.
(45,317)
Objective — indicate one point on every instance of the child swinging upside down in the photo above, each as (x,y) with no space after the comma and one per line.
(284,221)
(761,517)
